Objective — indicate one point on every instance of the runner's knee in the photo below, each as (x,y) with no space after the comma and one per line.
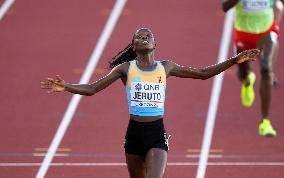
(266,69)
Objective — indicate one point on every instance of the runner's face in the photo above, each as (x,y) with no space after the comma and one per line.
(143,41)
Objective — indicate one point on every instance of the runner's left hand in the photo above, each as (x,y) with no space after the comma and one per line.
(247,55)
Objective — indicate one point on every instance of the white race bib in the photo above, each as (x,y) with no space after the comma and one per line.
(147,94)
(255,5)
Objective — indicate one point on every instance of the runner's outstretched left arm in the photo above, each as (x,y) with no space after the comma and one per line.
(173,69)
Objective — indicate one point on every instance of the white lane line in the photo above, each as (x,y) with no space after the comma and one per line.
(5,7)
(56,154)
(119,164)
(84,79)
(215,94)
(210,156)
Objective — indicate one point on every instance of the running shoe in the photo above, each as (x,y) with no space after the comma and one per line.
(265,129)
(247,92)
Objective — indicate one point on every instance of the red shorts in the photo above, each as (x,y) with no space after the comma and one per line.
(244,40)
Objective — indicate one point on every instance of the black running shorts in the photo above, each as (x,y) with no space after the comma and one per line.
(142,136)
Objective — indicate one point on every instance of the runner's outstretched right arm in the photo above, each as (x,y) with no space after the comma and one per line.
(59,85)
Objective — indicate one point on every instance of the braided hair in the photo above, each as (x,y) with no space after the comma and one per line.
(126,55)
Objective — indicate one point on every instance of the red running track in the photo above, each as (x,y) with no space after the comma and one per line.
(40,39)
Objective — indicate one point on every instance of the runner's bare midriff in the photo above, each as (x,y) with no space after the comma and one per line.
(145,118)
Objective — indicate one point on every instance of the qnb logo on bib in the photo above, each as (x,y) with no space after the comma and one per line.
(147,94)
(255,5)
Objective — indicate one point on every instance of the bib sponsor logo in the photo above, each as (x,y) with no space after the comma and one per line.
(255,5)
(147,94)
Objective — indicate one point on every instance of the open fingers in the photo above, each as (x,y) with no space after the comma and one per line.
(253,52)
(46,85)
(58,78)
(50,91)
(248,55)
(53,84)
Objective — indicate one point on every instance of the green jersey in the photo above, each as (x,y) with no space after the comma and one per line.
(254,16)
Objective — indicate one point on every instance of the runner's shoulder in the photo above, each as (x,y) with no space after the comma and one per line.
(122,68)
(168,64)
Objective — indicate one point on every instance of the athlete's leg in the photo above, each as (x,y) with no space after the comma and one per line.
(268,45)
(247,78)
(274,59)
(156,162)
(278,12)
(136,166)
